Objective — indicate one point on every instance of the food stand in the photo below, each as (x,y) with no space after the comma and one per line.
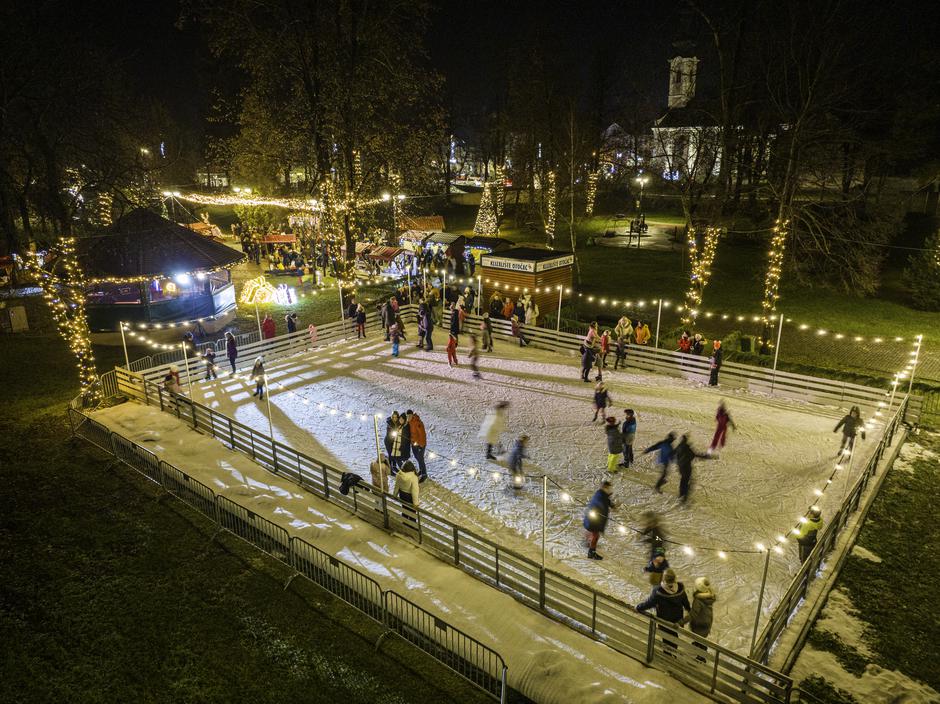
(539,271)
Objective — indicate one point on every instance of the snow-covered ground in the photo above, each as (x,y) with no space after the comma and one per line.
(548,662)
(762,483)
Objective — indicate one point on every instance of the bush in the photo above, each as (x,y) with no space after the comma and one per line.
(922,275)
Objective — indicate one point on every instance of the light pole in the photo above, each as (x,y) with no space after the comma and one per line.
(642,181)
(760,598)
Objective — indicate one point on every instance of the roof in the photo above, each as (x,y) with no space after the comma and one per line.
(698,113)
(279,238)
(422,222)
(484,242)
(442,238)
(531,254)
(143,244)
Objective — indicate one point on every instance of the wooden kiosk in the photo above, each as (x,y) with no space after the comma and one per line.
(541,271)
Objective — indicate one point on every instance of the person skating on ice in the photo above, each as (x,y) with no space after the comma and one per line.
(614,440)
(596,515)
(722,422)
(516,455)
(851,425)
(808,532)
(715,363)
(656,566)
(664,455)
(588,355)
(628,435)
(257,374)
(494,425)
(684,456)
(602,400)
(473,354)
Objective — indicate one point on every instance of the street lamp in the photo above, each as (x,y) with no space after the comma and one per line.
(642,180)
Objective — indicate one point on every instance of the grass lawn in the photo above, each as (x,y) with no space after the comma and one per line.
(110,592)
(894,597)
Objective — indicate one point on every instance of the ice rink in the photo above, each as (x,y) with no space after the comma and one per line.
(757,489)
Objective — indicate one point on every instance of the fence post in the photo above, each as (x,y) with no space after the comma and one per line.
(326,483)
(146,393)
(385,523)
(650,641)
(274,454)
(593,611)
(715,671)
(231,433)
(497,565)
(542,588)
(251,436)
(503,687)
(456,548)
(193,407)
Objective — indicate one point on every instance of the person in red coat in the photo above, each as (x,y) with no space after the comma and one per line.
(722,420)
(268,329)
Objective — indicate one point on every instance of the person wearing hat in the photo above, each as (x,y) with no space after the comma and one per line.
(596,515)
(379,469)
(407,489)
(807,532)
(627,436)
(657,565)
(851,424)
(715,363)
(671,602)
(614,443)
(602,399)
(699,617)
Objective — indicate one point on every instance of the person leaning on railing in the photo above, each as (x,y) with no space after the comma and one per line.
(671,603)
(808,532)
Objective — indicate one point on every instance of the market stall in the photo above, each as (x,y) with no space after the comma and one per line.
(513,271)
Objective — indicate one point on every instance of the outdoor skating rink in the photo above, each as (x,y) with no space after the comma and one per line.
(762,483)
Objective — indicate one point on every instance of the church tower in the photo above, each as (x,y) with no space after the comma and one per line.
(682,73)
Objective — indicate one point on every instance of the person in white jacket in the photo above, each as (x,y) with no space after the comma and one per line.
(408,489)
(494,425)
(531,313)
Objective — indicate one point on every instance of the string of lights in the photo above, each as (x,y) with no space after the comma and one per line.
(590,192)
(778,245)
(550,206)
(486,224)
(701,265)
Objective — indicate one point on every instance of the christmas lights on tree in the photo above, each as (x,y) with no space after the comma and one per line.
(591,192)
(102,214)
(778,245)
(550,198)
(63,285)
(701,265)
(486,224)
(499,193)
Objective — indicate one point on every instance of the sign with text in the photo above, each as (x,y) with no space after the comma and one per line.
(529,267)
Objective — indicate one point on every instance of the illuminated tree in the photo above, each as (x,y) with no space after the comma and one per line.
(486,224)
(923,274)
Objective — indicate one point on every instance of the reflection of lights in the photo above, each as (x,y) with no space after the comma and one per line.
(201,276)
(183,279)
(722,554)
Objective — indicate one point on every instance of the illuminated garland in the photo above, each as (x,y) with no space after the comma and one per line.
(701,265)
(150,277)
(103,205)
(550,199)
(64,293)
(486,224)
(499,192)
(590,194)
(310,205)
(778,245)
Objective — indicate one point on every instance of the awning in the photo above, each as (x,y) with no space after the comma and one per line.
(279,238)
(414,236)
(447,238)
(361,247)
(385,254)
(491,243)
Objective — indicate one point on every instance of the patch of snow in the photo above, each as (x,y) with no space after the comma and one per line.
(877,685)
(860,552)
(840,618)
(912,452)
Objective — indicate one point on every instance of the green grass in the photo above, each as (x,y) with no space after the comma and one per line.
(825,693)
(110,592)
(894,597)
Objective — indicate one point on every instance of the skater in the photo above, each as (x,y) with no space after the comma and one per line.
(516,455)
(208,355)
(699,617)
(473,353)
(665,453)
(391,431)
(231,349)
(602,399)
(671,602)
(621,352)
(360,322)
(454,320)
(808,531)
(591,336)
(597,363)
(627,436)
(605,348)
(388,317)
(684,455)
(614,443)
(486,328)
(257,373)
(394,333)
(428,327)
(408,489)
(588,355)
(418,436)
(403,445)
(379,469)
(494,424)
(597,514)
(657,565)
(268,328)
(851,425)
(171,382)
(518,332)
(452,350)
(624,329)
(715,363)
(291,320)
(652,531)
(723,420)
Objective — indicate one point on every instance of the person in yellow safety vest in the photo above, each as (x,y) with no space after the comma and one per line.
(806,533)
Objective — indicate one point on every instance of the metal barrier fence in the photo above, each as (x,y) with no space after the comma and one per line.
(465,655)
(713,669)
(796,592)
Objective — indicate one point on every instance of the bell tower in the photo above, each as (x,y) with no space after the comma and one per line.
(682,74)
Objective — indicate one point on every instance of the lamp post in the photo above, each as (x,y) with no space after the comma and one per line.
(642,181)
(760,597)
(561,290)
(773,380)
(127,361)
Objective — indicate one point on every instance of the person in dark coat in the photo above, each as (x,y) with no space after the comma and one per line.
(596,516)
(496,307)
(684,454)
(486,329)
(388,316)
(657,565)
(722,421)
(602,399)
(588,355)
(454,320)
(258,375)
(231,349)
(360,322)
(516,455)
(665,453)
(471,263)
(808,532)
(851,425)
(422,323)
(291,320)
(715,363)
(391,431)
(652,531)
(627,436)
(404,443)
(208,355)
(614,443)
(670,602)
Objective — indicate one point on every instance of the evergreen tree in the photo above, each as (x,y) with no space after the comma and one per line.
(923,275)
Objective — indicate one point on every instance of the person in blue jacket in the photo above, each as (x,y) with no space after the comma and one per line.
(628,434)
(665,453)
(516,455)
(596,515)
